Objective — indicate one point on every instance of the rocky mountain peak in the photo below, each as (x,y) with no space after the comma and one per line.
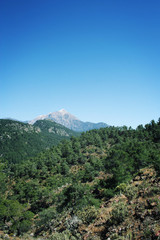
(63,111)
(70,121)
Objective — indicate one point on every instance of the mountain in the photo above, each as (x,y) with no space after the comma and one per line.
(19,141)
(68,120)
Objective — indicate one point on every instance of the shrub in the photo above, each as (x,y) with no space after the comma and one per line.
(88,214)
(108,193)
(65,235)
(130,192)
(73,223)
(121,188)
(119,212)
(47,219)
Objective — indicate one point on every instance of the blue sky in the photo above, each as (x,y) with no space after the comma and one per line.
(98,59)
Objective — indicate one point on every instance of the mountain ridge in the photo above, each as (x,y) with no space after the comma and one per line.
(19,140)
(70,121)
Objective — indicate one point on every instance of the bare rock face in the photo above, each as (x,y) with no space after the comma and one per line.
(68,120)
(63,117)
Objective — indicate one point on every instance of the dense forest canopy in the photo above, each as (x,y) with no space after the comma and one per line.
(19,141)
(74,178)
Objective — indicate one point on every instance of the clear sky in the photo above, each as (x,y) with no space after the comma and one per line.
(98,59)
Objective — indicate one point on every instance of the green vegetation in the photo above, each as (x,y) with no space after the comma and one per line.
(63,187)
(119,212)
(19,141)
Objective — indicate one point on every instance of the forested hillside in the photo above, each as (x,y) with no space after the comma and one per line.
(82,189)
(18,140)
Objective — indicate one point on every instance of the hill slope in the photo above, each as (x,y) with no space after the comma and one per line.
(21,140)
(68,120)
(82,189)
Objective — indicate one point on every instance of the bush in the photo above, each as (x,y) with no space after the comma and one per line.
(121,188)
(47,219)
(128,190)
(65,235)
(73,223)
(108,193)
(88,214)
(119,212)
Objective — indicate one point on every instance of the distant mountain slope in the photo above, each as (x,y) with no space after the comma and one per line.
(51,128)
(19,141)
(68,120)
